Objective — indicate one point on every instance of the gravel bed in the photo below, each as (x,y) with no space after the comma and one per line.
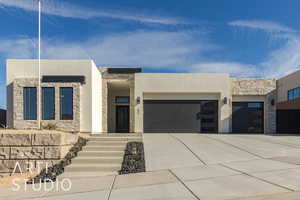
(134,159)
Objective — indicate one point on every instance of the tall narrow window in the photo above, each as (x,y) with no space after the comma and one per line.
(48,103)
(29,103)
(66,103)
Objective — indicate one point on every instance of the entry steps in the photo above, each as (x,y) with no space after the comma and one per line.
(102,156)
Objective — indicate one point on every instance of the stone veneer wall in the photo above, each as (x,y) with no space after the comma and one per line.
(33,149)
(106,77)
(65,125)
(260,87)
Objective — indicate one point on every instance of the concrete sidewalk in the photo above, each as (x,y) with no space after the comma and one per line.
(193,166)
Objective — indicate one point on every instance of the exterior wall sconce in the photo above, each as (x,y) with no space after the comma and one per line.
(272,102)
(138,100)
(225,100)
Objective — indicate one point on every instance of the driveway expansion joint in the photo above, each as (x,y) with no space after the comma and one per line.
(184,185)
(239,148)
(186,146)
(247,174)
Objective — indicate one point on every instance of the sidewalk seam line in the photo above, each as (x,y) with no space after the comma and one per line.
(255,177)
(111,187)
(188,149)
(184,185)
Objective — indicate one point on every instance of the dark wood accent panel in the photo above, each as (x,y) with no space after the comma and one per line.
(289,105)
(63,79)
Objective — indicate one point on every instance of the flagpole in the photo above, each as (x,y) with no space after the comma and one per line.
(39,68)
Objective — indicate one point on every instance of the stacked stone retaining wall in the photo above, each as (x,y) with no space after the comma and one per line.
(33,151)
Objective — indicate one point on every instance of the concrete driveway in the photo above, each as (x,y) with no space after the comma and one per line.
(171,151)
(193,167)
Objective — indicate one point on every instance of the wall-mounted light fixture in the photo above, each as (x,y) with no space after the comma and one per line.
(225,100)
(272,102)
(138,100)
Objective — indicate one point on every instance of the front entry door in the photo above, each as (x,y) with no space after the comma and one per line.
(122,119)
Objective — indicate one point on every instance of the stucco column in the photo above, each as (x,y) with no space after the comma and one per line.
(104,105)
(132,104)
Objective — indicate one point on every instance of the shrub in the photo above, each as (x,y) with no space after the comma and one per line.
(50,126)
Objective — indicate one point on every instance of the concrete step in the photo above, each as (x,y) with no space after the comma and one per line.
(97,160)
(85,174)
(100,153)
(130,139)
(117,135)
(104,143)
(104,148)
(93,168)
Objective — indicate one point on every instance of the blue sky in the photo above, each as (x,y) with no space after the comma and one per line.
(257,38)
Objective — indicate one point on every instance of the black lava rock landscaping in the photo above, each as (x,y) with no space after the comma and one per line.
(52,172)
(134,159)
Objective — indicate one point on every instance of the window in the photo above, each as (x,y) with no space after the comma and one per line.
(122,99)
(66,103)
(254,105)
(29,103)
(294,94)
(48,103)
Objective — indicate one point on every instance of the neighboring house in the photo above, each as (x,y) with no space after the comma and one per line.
(79,96)
(2,118)
(288,107)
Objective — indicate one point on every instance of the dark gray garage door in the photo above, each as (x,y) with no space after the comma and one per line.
(181,116)
(248,117)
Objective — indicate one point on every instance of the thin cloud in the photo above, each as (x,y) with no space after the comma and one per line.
(155,49)
(261,25)
(70,11)
(158,50)
(233,68)
(284,60)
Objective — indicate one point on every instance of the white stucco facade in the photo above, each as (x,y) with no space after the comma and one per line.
(98,93)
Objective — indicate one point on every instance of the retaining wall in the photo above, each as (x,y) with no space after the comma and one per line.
(33,150)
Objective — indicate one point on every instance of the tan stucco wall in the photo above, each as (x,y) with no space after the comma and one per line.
(193,85)
(287,83)
(29,69)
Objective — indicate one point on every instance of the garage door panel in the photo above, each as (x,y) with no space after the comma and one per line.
(174,116)
(248,117)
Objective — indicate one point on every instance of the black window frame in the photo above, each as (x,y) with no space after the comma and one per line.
(61,103)
(43,104)
(293,91)
(119,97)
(26,116)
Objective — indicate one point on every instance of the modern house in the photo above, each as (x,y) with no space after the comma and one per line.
(79,96)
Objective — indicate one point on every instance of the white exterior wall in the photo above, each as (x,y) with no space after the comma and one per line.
(202,86)
(96,91)
(29,69)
